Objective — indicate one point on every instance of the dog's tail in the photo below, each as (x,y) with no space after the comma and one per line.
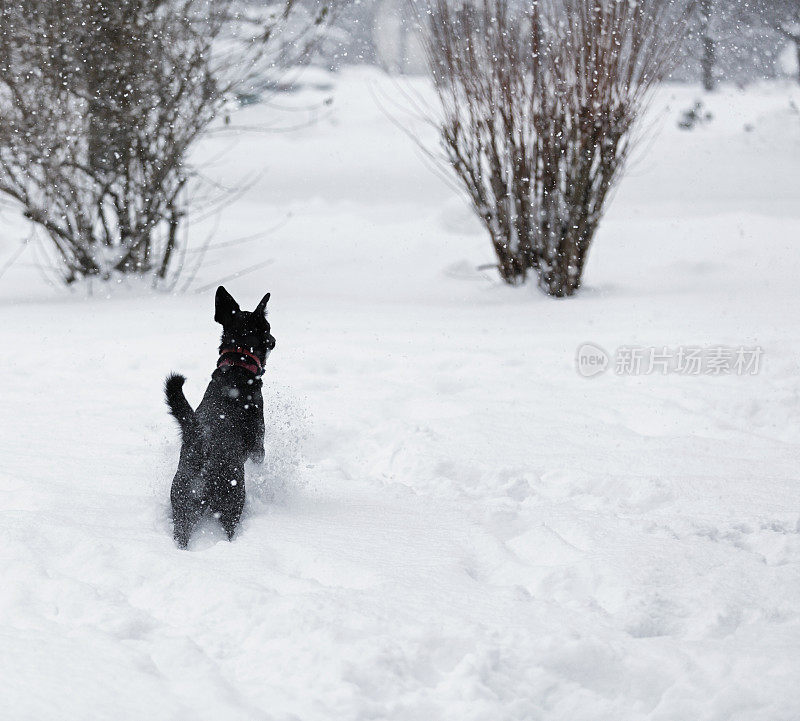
(179,406)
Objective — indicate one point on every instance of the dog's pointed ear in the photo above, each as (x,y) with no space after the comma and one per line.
(224,306)
(261,308)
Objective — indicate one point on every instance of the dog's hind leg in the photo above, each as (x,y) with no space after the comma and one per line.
(229,518)
(229,508)
(184,518)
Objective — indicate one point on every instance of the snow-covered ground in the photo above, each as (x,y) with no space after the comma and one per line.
(451,524)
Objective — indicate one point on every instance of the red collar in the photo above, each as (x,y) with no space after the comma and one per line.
(227,357)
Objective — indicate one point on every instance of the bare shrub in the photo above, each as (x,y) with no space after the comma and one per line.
(100,103)
(538,103)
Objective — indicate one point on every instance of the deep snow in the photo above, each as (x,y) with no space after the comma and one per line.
(451,523)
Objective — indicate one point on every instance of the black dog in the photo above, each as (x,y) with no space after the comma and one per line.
(228,425)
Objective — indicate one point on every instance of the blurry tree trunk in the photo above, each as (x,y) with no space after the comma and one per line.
(708,58)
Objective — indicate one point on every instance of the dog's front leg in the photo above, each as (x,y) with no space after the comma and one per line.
(257,454)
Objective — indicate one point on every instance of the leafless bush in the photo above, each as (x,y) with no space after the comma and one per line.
(100,103)
(538,103)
